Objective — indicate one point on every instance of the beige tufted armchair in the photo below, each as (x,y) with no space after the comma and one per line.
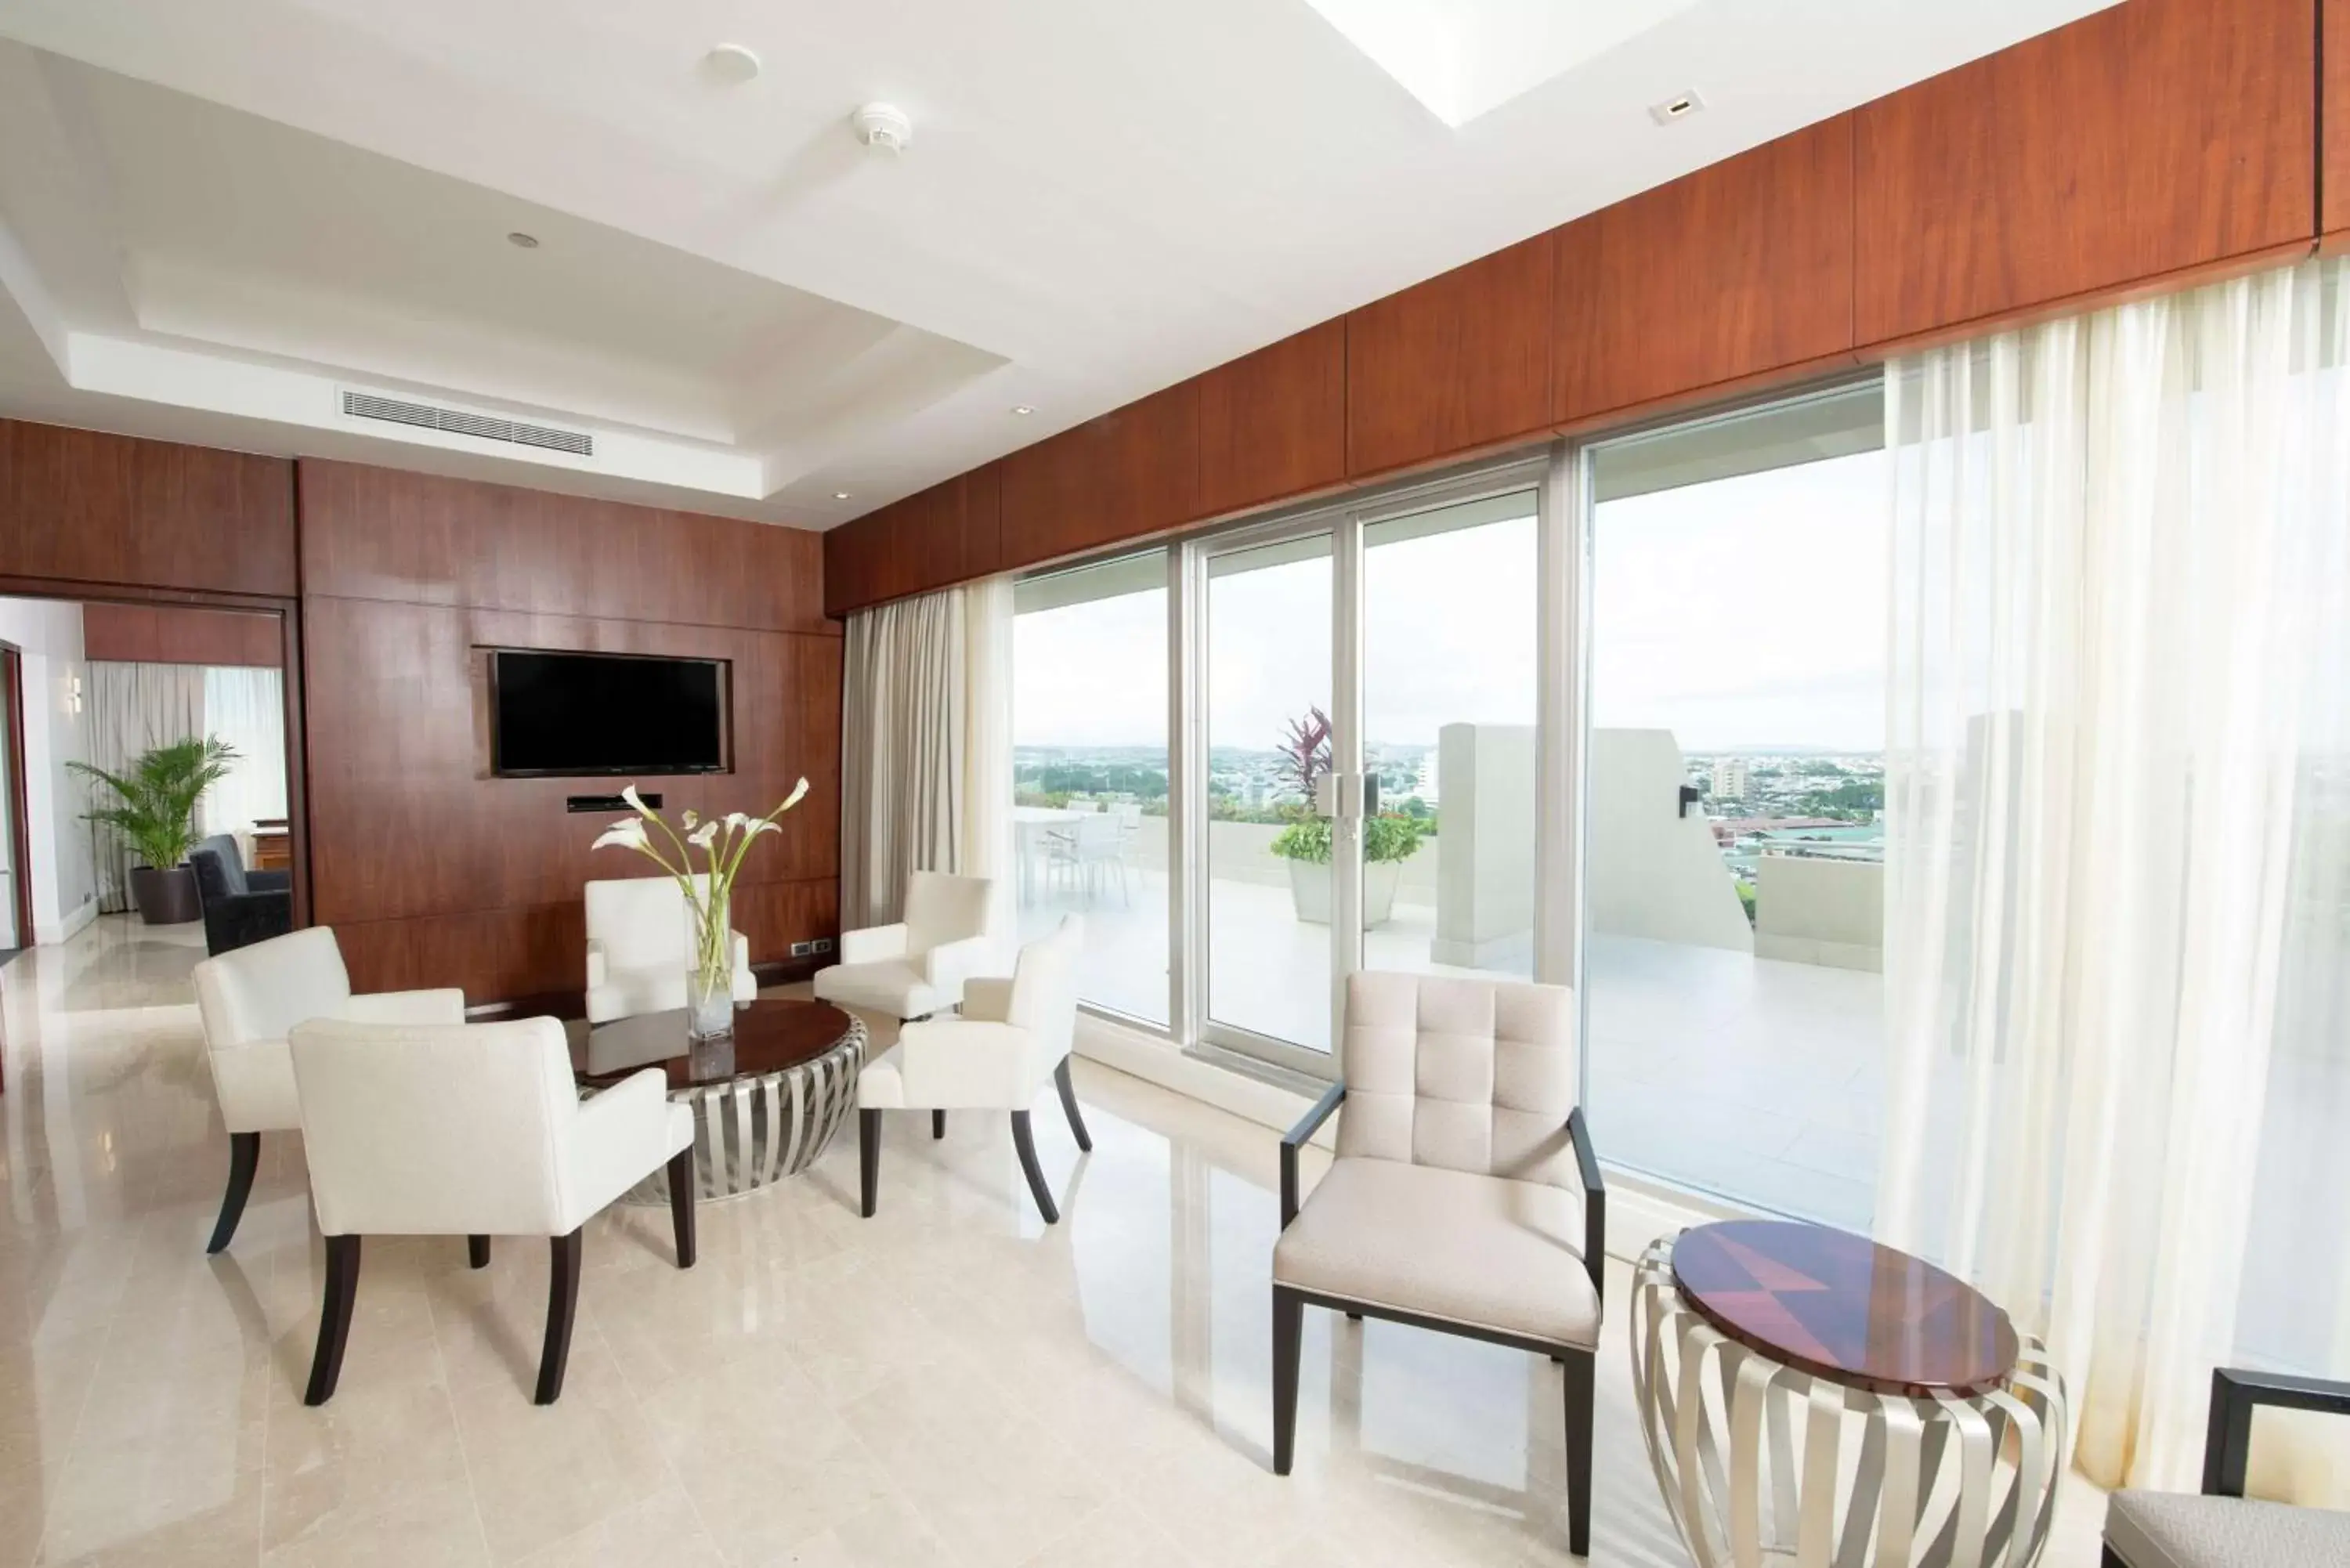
(1452,1203)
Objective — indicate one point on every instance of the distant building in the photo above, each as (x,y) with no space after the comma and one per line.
(1729,778)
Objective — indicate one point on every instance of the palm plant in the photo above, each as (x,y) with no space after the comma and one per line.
(156,801)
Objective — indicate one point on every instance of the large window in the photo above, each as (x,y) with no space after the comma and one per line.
(1734,804)
(1090,775)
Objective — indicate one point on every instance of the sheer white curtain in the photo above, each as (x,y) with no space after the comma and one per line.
(132,707)
(246,708)
(2117,868)
(987,750)
(926,748)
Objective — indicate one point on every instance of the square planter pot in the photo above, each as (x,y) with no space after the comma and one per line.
(1309,891)
(165,898)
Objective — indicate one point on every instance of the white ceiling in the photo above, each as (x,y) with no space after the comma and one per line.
(212,216)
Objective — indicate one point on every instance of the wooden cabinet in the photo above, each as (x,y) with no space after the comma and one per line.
(1130,473)
(1459,362)
(181,634)
(2145,140)
(1273,425)
(1740,268)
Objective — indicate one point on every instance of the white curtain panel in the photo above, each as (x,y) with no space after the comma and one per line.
(246,708)
(901,754)
(132,708)
(987,751)
(2117,847)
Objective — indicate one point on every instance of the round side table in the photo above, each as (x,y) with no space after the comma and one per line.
(764,1103)
(1810,1397)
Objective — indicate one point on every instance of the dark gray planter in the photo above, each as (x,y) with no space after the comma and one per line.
(165,898)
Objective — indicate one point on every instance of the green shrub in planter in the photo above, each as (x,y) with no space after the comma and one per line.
(1383,838)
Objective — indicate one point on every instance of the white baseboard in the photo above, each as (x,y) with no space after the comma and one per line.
(67,929)
(1638,1212)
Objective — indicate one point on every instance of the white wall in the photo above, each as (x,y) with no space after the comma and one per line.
(65,885)
(1650,871)
(1818,910)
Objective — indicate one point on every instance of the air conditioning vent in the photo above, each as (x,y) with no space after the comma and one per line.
(458,422)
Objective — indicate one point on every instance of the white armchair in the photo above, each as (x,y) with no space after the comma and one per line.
(472,1130)
(1013,1035)
(249,1000)
(918,966)
(637,949)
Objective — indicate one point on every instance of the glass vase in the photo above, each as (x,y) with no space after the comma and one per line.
(709,972)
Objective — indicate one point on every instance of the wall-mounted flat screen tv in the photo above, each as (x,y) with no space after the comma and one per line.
(567,714)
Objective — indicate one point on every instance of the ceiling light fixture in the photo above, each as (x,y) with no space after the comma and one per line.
(521,241)
(731,65)
(883,128)
(840,495)
(1680,105)
(1023,409)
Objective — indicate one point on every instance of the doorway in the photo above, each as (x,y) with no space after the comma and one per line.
(16,839)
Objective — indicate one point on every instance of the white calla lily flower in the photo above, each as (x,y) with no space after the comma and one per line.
(628,833)
(636,802)
(793,799)
(703,836)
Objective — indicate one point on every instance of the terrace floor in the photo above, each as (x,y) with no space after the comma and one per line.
(1758,1079)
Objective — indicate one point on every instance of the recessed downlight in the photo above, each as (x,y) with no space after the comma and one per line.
(731,65)
(1023,409)
(521,241)
(840,495)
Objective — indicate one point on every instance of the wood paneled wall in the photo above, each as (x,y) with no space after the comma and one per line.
(82,507)
(2151,143)
(434,873)
(179,634)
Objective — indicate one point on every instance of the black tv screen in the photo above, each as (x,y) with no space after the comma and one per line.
(578,713)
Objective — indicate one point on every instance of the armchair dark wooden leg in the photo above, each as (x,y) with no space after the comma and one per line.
(938,1124)
(1069,1104)
(1288,1336)
(477,1251)
(1024,1141)
(243,1160)
(868,1161)
(681,1204)
(562,1305)
(334,1318)
(1580,1376)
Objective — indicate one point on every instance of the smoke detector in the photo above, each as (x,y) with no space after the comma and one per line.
(883,127)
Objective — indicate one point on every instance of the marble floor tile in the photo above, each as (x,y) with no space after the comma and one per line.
(951,1383)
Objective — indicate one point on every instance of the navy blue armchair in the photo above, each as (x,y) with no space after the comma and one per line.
(241,907)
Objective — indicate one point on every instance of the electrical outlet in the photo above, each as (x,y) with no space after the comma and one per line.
(822,944)
(802,949)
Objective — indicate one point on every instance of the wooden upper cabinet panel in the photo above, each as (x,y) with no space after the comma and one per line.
(2153,137)
(1740,268)
(1455,363)
(1273,425)
(2336,153)
(852,565)
(1133,471)
(415,538)
(94,508)
(181,634)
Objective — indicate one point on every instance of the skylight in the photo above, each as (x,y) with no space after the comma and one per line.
(1463,57)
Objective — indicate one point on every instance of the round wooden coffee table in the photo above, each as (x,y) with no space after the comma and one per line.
(764,1103)
(1810,1397)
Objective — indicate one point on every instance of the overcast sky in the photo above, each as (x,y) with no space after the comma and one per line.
(1745,613)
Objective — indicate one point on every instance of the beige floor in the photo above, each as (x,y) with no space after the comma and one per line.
(950,1382)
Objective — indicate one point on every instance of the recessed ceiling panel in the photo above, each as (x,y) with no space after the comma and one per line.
(1462,58)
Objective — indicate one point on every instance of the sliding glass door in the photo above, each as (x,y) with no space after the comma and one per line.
(1271,871)
(1258,761)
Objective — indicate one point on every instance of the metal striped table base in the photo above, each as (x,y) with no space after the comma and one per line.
(1762,1464)
(753,1131)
